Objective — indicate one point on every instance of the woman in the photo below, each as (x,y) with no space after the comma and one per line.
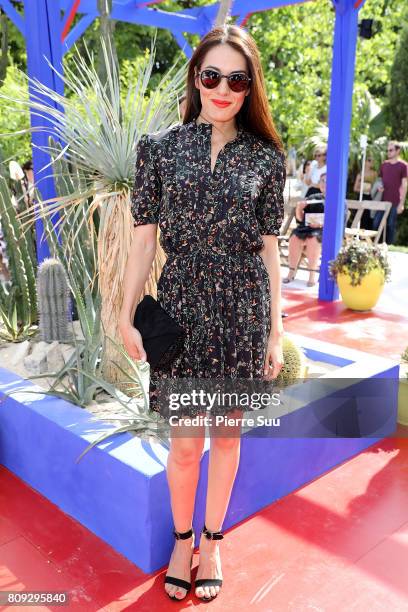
(370,175)
(215,184)
(307,234)
(302,172)
(316,169)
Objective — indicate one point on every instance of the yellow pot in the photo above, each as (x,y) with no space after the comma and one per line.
(363,296)
(403,402)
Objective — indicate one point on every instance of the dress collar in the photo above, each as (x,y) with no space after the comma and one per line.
(206,128)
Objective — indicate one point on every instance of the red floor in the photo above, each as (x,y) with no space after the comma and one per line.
(382,333)
(339,543)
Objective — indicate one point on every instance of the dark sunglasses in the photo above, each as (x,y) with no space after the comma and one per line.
(237,81)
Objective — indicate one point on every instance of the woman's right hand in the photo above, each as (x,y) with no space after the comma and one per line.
(133,343)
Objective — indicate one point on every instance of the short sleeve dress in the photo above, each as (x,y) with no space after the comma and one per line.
(214,282)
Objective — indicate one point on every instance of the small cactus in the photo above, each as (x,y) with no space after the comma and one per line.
(294,366)
(53,301)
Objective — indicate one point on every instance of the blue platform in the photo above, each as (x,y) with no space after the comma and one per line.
(119,490)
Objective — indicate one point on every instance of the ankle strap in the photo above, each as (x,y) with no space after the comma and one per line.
(183,535)
(212,535)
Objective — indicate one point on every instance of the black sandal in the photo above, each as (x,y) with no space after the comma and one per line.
(203,582)
(184,584)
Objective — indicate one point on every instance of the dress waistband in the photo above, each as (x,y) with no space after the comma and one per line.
(211,251)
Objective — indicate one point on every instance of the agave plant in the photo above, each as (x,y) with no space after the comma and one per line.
(99,129)
(12,329)
(138,418)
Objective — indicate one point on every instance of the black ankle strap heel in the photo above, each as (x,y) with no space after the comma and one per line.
(203,582)
(212,535)
(183,535)
(184,584)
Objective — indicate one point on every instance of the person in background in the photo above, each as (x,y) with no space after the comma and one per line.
(28,181)
(28,171)
(291,162)
(393,172)
(311,233)
(301,174)
(316,169)
(370,175)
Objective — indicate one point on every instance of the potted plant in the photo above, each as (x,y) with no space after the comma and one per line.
(403,391)
(360,269)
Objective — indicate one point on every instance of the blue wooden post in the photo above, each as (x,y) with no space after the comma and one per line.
(43,37)
(344,51)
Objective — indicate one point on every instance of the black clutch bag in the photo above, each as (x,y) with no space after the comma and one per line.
(163,338)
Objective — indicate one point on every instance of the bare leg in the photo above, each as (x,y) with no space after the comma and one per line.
(294,253)
(313,249)
(222,469)
(183,469)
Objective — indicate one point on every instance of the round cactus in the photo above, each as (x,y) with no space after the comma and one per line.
(294,366)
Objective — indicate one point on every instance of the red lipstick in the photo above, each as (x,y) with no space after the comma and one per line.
(220,103)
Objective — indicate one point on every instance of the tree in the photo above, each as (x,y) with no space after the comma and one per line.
(4,58)
(398,99)
(295,43)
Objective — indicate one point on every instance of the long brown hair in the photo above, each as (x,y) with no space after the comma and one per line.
(254,115)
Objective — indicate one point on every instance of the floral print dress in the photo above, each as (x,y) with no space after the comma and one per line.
(214,282)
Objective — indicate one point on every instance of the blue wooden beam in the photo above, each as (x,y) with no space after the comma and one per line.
(43,38)
(343,64)
(69,18)
(13,15)
(183,44)
(183,21)
(242,7)
(85,6)
(77,31)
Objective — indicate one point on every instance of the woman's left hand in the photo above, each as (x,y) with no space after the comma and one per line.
(274,358)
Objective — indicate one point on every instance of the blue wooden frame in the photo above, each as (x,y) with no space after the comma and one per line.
(43,38)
